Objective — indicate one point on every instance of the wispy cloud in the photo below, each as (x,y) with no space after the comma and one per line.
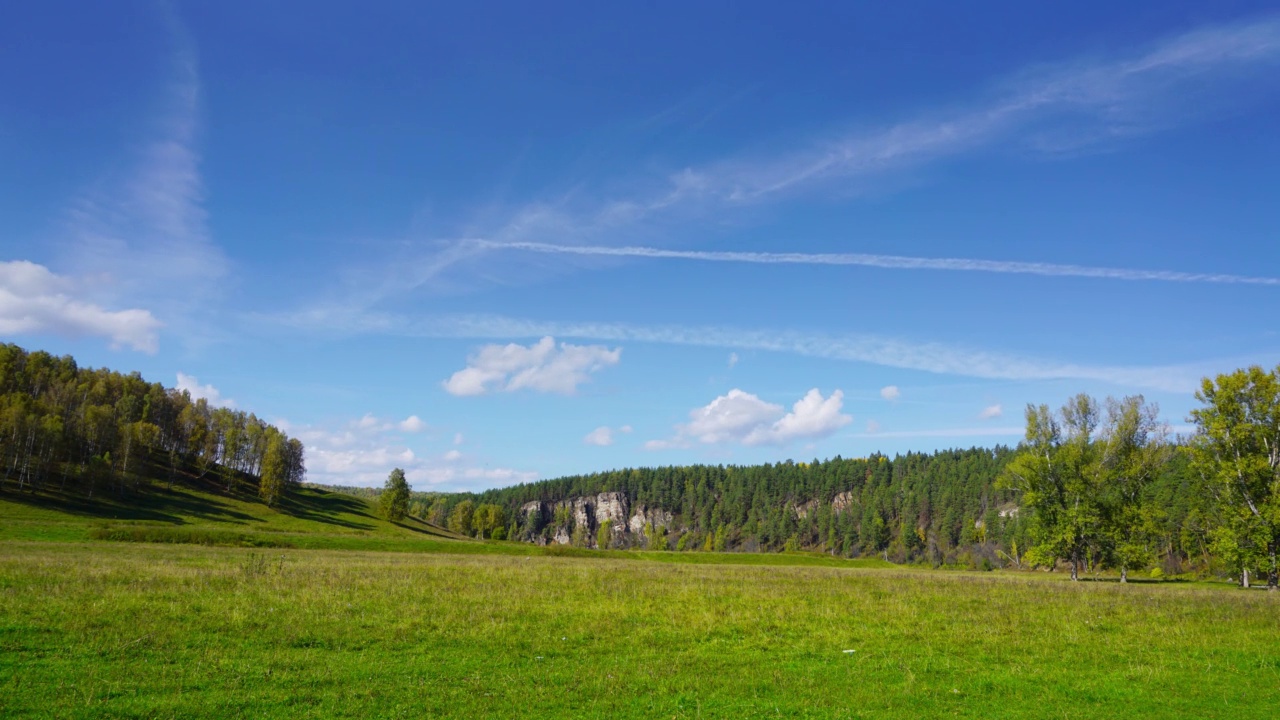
(900,262)
(1053,108)
(890,352)
(944,433)
(145,229)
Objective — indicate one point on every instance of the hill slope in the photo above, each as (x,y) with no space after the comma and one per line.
(306,518)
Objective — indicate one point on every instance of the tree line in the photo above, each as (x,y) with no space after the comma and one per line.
(88,431)
(1093,486)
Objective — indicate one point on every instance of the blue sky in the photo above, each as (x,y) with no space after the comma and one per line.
(502,242)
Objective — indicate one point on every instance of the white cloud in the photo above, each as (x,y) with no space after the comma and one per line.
(34,300)
(733,359)
(208,392)
(890,392)
(991,411)
(413,424)
(601,436)
(363,451)
(731,417)
(541,366)
(741,417)
(811,417)
(873,427)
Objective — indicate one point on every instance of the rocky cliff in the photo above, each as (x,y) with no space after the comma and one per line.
(578,521)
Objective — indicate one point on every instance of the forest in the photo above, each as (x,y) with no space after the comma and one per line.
(84,431)
(1094,486)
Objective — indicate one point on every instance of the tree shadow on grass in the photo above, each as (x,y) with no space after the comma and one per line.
(155,505)
(324,507)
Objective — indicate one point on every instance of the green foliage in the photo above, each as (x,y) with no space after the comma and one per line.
(1085,479)
(86,431)
(274,468)
(604,535)
(487,519)
(394,500)
(460,518)
(928,495)
(1237,453)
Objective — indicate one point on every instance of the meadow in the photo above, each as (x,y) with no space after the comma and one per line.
(112,629)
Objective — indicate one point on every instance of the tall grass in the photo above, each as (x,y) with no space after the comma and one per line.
(122,630)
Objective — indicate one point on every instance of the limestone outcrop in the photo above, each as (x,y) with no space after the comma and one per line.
(578,520)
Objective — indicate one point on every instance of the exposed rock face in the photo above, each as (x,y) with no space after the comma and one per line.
(657,517)
(529,508)
(841,502)
(612,506)
(802,511)
(582,517)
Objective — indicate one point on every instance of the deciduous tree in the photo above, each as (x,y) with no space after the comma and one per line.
(1237,453)
(394,499)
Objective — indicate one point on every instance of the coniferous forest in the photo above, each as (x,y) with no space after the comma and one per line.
(88,431)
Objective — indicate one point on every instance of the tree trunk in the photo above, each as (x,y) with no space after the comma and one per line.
(1075,569)
(1273,573)
(1124,574)
(1244,578)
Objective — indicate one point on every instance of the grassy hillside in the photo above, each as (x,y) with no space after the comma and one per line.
(129,630)
(307,518)
(310,518)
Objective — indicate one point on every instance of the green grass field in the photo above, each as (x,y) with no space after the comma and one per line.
(321,628)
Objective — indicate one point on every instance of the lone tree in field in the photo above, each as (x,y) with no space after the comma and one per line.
(395,496)
(1237,452)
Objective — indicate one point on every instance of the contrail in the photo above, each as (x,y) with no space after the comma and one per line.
(900,262)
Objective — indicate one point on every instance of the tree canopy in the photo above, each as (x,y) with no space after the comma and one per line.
(87,431)
(394,499)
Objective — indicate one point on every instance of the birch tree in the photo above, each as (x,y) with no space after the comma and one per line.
(1237,453)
